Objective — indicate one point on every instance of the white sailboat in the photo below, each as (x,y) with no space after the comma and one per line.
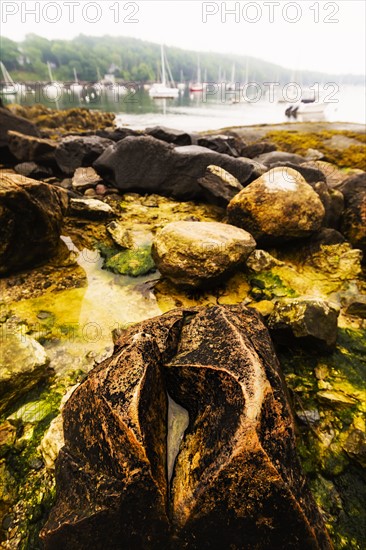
(198,85)
(76,87)
(9,88)
(163,89)
(53,90)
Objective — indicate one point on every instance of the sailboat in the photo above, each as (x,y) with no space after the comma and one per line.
(10,88)
(54,89)
(181,84)
(76,87)
(198,85)
(163,89)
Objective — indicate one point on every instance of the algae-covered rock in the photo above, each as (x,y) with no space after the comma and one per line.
(134,262)
(200,253)
(219,365)
(277,207)
(31,215)
(307,320)
(23,365)
(355,446)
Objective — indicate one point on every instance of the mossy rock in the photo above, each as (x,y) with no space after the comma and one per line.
(133,262)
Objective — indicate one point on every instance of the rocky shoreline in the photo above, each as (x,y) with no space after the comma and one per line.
(272,219)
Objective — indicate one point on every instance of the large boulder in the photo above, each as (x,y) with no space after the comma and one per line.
(236,481)
(28,148)
(9,121)
(277,207)
(31,215)
(76,151)
(309,321)
(148,165)
(23,365)
(200,253)
(353,224)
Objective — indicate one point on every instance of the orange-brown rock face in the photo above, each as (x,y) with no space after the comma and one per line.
(236,483)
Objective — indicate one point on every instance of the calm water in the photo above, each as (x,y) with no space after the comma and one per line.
(192,112)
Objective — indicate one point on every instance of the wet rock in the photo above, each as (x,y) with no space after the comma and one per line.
(227,145)
(23,365)
(33,170)
(85,178)
(355,446)
(218,364)
(260,260)
(117,134)
(310,175)
(308,321)
(177,137)
(76,151)
(91,209)
(277,207)
(218,186)
(129,238)
(9,121)
(145,164)
(31,215)
(200,253)
(255,149)
(353,224)
(279,156)
(28,148)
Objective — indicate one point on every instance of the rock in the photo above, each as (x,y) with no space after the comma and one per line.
(91,209)
(117,134)
(147,165)
(84,178)
(255,149)
(260,260)
(277,207)
(279,156)
(177,137)
(129,238)
(353,224)
(7,437)
(227,145)
(33,170)
(310,175)
(23,365)
(357,307)
(313,154)
(218,186)
(28,148)
(355,446)
(9,121)
(200,253)
(334,177)
(31,215)
(307,417)
(89,193)
(134,263)
(76,151)
(308,321)
(112,489)
(52,442)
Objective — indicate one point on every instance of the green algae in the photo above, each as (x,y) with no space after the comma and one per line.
(337,481)
(133,262)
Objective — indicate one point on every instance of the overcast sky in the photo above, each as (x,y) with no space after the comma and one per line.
(305,34)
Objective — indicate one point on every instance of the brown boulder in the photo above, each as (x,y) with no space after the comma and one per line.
(237,481)
(31,214)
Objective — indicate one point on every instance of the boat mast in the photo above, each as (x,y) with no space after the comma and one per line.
(163,77)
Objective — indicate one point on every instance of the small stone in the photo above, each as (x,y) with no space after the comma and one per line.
(90,209)
(260,260)
(84,178)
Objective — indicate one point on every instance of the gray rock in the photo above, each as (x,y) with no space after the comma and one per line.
(147,165)
(28,148)
(218,186)
(33,170)
(91,209)
(177,137)
(310,175)
(255,149)
(84,178)
(200,253)
(308,321)
(76,151)
(227,145)
(279,156)
(8,121)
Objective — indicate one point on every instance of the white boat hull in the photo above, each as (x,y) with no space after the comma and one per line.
(163,92)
